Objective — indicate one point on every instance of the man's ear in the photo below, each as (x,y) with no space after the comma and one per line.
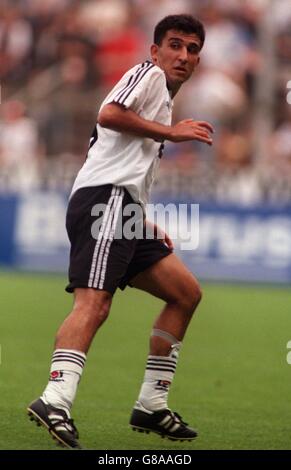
(154,53)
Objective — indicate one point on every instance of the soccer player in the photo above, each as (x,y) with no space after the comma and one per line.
(125,150)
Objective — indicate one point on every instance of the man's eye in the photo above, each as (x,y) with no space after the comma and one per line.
(193,50)
(175,45)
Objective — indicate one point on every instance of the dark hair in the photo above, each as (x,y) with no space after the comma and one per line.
(185,23)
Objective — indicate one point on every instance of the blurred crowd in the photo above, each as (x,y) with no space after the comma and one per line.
(58,59)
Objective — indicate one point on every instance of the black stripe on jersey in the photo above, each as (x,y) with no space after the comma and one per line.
(94,137)
(144,72)
(125,94)
(161,150)
(131,78)
(128,83)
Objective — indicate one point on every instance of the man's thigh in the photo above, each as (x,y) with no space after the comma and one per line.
(167,279)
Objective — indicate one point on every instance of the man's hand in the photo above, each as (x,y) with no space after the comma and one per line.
(159,234)
(189,129)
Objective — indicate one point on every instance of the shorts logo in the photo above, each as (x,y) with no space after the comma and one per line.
(56,376)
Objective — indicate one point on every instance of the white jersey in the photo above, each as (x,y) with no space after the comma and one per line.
(121,158)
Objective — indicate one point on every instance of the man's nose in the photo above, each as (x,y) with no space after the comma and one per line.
(183,56)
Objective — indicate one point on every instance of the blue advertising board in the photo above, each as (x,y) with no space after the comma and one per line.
(242,245)
(32,232)
(235,244)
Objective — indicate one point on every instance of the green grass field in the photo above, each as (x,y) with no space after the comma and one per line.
(233,382)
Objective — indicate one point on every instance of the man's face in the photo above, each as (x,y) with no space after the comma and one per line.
(178,56)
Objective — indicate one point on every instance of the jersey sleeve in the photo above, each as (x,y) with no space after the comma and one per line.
(146,82)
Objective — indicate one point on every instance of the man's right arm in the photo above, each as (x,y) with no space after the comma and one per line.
(118,118)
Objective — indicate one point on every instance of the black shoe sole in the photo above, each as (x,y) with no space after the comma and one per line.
(163,435)
(33,416)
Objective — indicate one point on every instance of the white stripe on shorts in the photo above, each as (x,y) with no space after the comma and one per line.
(109,240)
(105,238)
(106,218)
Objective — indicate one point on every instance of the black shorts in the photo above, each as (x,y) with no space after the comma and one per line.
(99,259)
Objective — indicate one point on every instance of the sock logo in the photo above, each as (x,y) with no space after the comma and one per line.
(163,385)
(56,376)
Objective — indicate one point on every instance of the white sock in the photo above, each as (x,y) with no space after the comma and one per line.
(65,374)
(158,377)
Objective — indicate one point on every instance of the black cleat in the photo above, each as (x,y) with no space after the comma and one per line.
(56,421)
(165,422)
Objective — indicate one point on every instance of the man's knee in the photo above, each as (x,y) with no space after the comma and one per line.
(93,305)
(190,297)
(198,294)
(97,313)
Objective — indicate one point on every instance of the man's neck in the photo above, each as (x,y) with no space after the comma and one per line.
(173,90)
